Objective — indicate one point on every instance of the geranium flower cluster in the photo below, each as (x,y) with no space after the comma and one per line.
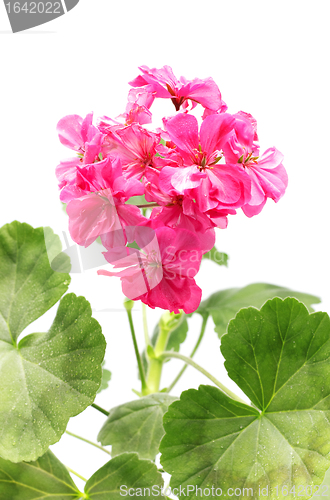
(189,178)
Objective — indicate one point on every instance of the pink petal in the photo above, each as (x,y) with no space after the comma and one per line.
(140,97)
(134,283)
(156,79)
(271,158)
(138,140)
(66,171)
(93,148)
(206,92)
(130,215)
(244,131)
(173,295)
(215,131)
(231,185)
(183,131)
(186,178)
(87,129)
(69,131)
(269,175)
(96,177)
(251,210)
(147,239)
(207,240)
(70,192)
(181,252)
(92,216)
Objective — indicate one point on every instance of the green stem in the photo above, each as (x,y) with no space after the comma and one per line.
(199,340)
(87,441)
(98,408)
(137,353)
(154,375)
(170,354)
(162,340)
(156,363)
(76,474)
(145,324)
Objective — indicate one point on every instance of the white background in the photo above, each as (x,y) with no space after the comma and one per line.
(269,58)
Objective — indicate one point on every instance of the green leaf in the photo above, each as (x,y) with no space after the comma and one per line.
(28,284)
(47,379)
(106,377)
(219,258)
(136,426)
(126,471)
(47,478)
(280,357)
(225,304)
(137,200)
(133,245)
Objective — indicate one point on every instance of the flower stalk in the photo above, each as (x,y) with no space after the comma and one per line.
(167,323)
(189,361)
(128,304)
(88,441)
(199,340)
(155,362)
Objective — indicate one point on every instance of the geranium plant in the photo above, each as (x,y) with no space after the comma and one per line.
(154,200)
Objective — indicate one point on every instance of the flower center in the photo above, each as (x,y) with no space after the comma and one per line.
(247,159)
(203,160)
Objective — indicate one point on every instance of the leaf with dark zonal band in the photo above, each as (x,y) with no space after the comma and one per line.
(225,304)
(280,357)
(114,480)
(136,426)
(47,479)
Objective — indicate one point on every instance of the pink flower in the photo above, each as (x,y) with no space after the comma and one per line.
(162,273)
(76,133)
(81,136)
(135,146)
(176,210)
(268,176)
(101,210)
(137,108)
(244,140)
(214,186)
(219,217)
(192,176)
(66,172)
(268,180)
(137,111)
(162,83)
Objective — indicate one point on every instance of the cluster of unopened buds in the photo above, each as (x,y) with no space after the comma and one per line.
(189,179)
